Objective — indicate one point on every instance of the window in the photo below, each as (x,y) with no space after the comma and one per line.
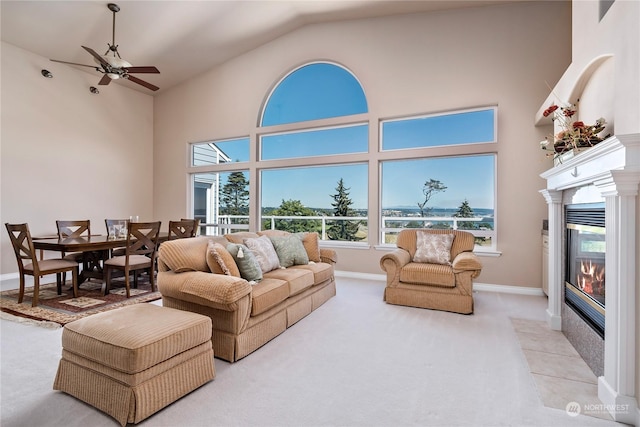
(451,192)
(315,91)
(309,143)
(216,152)
(332,200)
(470,127)
(314,167)
(221,201)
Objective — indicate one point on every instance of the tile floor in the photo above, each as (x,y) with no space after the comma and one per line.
(560,374)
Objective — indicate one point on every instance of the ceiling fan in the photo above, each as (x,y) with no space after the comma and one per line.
(114,67)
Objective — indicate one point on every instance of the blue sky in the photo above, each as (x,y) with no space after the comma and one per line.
(325,90)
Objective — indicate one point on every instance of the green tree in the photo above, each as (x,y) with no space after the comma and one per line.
(293,208)
(465,211)
(430,188)
(342,229)
(234,195)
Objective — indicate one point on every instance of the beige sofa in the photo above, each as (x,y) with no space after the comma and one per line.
(245,315)
(447,286)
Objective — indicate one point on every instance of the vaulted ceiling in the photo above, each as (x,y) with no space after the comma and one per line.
(181,38)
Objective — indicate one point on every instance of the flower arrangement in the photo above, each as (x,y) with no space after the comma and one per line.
(574,133)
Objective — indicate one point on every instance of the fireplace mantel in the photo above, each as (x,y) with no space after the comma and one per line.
(613,168)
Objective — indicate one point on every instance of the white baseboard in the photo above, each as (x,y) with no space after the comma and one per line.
(508,289)
(9,276)
(363,276)
(483,287)
(623,409)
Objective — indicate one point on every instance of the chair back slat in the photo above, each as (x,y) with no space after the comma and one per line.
(22,244)
(142,238)
(182,229)
(73,229)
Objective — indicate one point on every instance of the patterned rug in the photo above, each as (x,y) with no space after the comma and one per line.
(63,309)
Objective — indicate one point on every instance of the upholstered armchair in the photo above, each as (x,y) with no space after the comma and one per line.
(432,269)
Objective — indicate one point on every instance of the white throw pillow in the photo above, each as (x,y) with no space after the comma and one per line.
(265,253)
(433,248)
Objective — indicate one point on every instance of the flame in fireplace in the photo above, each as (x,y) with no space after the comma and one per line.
(591,278)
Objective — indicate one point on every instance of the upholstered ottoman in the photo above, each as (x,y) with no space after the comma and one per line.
(133,361)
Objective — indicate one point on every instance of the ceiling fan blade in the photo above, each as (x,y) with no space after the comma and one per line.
(142,70)
(105,80)
(95,55)
(142,82)
(73,63)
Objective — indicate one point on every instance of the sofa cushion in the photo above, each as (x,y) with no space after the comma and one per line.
(299,280)
(267,294)
(321,271)
(310,241)
(246,262)
(433,248)
(290,250)
(185,254)
(311,246)
(428,274)
(239,237)
(220,260)
(263,249)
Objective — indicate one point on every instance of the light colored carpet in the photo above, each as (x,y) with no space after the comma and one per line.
(355,361)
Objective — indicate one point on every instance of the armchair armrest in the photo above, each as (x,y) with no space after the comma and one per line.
(466,261)
(208,289)
(396,259)
(392,263)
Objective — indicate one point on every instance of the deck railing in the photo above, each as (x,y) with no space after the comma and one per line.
(390,228)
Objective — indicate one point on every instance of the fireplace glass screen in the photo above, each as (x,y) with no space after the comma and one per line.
(585,263)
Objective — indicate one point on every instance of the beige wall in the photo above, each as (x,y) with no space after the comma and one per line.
(68,154)
(410,64)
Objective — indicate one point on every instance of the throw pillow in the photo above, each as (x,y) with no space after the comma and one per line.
(433,248)
(246,262)
(310,243)
(290,250)
(220,260)
(266,255)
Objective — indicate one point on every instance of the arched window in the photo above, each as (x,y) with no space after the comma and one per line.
(319,110)
(314,91)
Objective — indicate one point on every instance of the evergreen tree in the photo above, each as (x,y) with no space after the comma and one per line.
(235,196)
(342,229)
(293,208)
(429,189)
(465,211)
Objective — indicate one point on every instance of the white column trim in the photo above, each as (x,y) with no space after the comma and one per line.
(554,309)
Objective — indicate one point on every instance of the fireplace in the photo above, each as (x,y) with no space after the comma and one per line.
(584,287)
(609,173)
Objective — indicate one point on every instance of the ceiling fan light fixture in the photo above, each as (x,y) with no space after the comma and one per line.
(113,76)
(115,62)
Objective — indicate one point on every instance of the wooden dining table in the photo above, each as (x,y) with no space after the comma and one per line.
(95,249)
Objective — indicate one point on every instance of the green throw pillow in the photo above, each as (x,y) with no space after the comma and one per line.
(290,250)
(246,262)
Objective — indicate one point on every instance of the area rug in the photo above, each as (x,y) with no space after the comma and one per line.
(64,308)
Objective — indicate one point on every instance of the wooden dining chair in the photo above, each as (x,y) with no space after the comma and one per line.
(28,264)
(196,225)
(140,254)
(182,229)
(72,230)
